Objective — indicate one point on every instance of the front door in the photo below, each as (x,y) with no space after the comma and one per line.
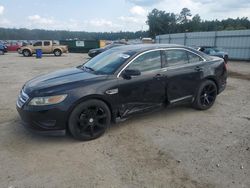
(38,45)
(145,91)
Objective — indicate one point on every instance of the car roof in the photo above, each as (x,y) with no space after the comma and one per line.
(137,48)
(207,47)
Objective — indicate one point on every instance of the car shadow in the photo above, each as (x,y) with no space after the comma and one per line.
(18,129)
(158,113)
(44,55)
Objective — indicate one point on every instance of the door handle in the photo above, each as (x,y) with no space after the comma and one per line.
(158,76)
(198,68)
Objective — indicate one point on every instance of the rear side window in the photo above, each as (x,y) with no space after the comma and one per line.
(147,62)
(46,43)
(193,58)
(176,57)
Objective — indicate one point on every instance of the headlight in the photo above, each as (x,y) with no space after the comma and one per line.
(41,101)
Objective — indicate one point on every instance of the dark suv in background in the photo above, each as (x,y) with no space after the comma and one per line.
(96,51)
(3,49)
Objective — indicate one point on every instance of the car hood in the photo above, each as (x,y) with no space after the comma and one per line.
(58,78)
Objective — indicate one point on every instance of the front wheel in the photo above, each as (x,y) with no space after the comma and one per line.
(89,120)
(206,95)
(26,53)
(57,52)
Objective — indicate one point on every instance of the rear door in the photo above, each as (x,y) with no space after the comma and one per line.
(145,91)
(47,47)
(184,70)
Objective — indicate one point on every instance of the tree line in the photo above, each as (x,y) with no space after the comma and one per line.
(159,22)
(40,34)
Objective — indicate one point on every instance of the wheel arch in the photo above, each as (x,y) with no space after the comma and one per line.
(57,49)
(91,97)
(213,79)
(28,49)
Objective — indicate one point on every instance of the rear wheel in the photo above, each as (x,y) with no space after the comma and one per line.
(57,52)
(89,120)
(206,95)
(1,52)
(26,53)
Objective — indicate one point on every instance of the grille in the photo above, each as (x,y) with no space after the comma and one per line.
(22,99)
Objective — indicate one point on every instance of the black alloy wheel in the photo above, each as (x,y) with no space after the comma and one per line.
(89,120)
(206,95)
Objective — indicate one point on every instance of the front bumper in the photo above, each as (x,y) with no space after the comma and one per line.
(45,122)
(222,88)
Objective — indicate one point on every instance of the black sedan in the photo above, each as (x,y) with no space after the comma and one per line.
(96,51)
(214,52)
(118,83)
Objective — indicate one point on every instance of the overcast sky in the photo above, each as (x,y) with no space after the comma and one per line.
(108,15)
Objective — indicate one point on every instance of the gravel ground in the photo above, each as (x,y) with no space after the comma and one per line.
(175,147)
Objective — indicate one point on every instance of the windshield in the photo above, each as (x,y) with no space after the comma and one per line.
(217,49)
(107,62)
(213,49)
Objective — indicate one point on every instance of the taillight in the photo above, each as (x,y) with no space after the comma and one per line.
(225,64)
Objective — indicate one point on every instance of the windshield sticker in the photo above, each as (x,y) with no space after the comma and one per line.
(125,56)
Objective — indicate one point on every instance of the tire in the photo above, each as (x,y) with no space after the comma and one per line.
(89,120)
(26,53)
(57,52)
(206,95)
(1,52)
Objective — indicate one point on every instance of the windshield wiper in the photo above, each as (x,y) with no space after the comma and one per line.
(89,68)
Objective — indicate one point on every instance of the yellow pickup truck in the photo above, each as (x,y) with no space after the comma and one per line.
(47,47)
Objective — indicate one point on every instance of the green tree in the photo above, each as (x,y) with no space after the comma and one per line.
(161,22)
(195,23)
(184,15)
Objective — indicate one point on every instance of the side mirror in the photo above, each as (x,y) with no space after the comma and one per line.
(128,73)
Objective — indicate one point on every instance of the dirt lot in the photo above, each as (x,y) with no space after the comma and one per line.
(176,147)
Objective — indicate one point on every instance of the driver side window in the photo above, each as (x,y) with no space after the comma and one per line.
(38,43)
(147,62)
